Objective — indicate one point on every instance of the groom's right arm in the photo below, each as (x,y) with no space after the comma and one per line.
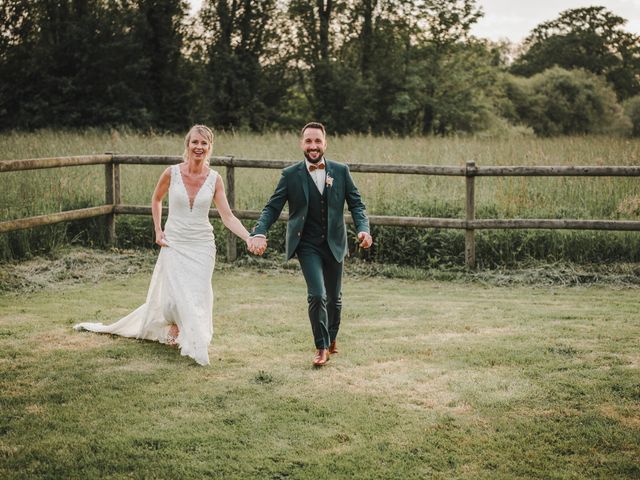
(273,208)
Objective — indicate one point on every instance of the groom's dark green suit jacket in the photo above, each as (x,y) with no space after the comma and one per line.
(293,187)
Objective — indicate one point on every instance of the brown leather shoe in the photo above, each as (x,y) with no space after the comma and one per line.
(321,358)
(333,349)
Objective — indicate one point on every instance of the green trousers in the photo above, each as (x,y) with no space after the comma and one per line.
(323,274)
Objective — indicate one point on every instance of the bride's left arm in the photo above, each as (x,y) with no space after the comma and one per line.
(228,218)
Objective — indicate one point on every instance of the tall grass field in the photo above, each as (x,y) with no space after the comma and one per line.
(45,191)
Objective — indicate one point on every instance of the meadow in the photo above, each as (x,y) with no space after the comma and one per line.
(434,380)
(43,191)
(479,377)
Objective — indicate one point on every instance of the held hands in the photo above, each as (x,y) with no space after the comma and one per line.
(257,245)
(365,240)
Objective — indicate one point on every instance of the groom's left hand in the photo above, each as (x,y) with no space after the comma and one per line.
(365,240)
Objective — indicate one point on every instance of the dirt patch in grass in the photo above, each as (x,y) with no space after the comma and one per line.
(138,366)
(34,409)
(7,451)
(68,340)
(418,386)
(628,421)
(415,386)
(633,360)
(440,337)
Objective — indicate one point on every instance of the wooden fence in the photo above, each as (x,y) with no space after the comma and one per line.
(113,204)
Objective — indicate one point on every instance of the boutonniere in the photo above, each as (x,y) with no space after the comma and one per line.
(329,181)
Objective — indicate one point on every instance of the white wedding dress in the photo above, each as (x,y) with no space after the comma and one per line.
(180,291)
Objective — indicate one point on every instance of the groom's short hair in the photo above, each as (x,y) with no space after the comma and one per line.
(317,125)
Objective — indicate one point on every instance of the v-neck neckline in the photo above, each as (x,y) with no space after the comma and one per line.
(184,185)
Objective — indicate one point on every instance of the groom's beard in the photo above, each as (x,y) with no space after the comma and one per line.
(314,160)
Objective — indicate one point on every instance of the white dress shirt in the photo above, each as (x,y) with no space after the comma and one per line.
(319,175)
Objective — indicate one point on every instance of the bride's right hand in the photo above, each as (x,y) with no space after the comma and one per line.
(160,239)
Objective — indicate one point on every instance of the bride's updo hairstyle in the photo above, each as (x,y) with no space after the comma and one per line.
(206,133)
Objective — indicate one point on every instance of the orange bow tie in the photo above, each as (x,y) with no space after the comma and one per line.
(314,167)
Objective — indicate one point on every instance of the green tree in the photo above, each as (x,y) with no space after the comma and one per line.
(393,65)
(448,23)
(462,90)
(567,102)
(246,82)
(384,42)
(317,25)
(70,63)
(167,94)
(589,38)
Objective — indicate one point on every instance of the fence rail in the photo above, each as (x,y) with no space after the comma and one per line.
(53,162)
(113,203)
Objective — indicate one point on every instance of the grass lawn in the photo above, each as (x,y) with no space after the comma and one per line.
(433,380)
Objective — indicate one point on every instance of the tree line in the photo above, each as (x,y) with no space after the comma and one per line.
(406,67)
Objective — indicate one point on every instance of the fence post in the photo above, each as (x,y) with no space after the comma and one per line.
(469,233)
(232,246)
(109,197)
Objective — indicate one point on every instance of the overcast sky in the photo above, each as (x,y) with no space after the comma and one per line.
(514,19)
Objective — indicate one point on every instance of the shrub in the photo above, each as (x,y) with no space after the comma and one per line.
(566,102)
(632,110)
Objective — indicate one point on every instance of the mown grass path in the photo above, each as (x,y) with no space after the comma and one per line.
(434,380)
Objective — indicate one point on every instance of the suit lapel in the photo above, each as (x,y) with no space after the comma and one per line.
(328,182)
(329,174)
(302,174)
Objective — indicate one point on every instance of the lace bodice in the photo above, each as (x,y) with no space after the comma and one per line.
(189,223)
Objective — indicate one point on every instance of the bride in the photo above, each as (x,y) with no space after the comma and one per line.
(178,309)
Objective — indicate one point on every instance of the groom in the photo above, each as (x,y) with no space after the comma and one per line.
(317,190)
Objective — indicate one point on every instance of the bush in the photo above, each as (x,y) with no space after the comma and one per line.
(632,110)
(567,102)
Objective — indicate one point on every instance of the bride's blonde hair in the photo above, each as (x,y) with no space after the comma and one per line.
(206,132)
